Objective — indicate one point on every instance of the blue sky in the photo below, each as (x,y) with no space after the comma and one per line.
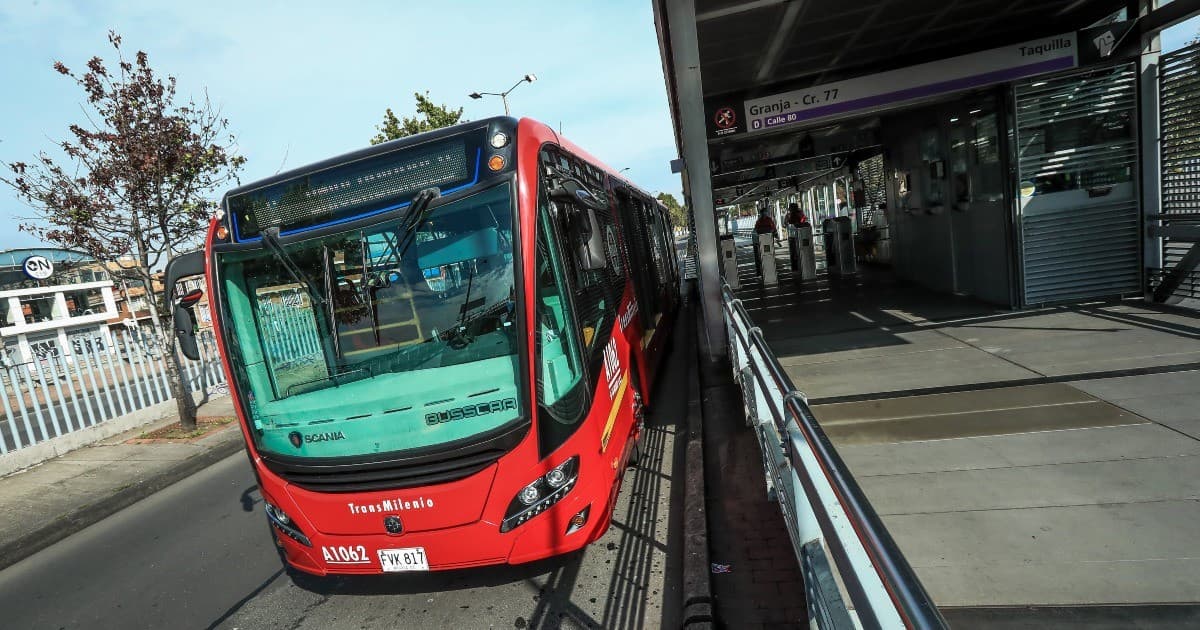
(300,82)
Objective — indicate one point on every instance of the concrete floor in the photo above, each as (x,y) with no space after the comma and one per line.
(1048,457)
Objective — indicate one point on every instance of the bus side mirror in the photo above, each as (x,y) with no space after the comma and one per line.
(183,319)
(590,242)
(581,205)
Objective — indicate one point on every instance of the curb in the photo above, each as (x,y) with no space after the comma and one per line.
(13,551)
(697,587)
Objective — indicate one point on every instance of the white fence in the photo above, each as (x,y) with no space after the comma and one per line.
(92,381)
(822,505)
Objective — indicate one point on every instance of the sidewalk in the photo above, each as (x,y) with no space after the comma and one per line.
(41,505)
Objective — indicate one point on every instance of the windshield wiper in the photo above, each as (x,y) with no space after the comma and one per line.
(459,338)
(270,237)
(417,213)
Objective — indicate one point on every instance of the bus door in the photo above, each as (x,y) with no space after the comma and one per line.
(641,265)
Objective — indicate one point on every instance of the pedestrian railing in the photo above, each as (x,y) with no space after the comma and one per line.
(822,505)
(92,380)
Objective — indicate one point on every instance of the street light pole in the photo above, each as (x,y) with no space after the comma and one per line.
(529,78)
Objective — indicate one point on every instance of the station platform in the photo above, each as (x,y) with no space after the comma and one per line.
(1035,467)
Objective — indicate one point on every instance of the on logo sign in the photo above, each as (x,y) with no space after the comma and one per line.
(38,267)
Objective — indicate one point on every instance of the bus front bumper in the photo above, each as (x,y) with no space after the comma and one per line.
(474,545)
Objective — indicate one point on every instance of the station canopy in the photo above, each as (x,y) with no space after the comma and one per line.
(754,51)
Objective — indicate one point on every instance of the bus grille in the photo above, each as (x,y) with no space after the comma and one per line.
(449,463)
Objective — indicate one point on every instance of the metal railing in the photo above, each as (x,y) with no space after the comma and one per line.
(822,504)
(94,379)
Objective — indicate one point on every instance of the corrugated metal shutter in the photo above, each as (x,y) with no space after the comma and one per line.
(1080,214)
(1180,120)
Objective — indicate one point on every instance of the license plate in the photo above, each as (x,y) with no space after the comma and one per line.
(408,559)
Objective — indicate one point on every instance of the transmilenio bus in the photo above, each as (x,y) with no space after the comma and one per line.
(438,347)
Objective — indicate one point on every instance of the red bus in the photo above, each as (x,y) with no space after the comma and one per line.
(439,347)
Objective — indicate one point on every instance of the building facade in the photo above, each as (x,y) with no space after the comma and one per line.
(52,302)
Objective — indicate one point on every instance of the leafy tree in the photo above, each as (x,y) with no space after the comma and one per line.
(429,116)
(679,217)
(135,183)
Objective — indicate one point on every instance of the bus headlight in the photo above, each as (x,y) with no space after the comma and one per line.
(529,494)
(542,493)
(285,524)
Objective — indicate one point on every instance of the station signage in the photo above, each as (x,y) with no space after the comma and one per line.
(862,95)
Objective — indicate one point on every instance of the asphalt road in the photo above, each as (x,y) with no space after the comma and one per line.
(199,555)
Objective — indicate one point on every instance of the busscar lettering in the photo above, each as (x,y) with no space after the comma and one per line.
(471,411)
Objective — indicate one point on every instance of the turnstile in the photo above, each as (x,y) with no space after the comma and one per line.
(764,253)
(839,246)
(729,266)
(800,252)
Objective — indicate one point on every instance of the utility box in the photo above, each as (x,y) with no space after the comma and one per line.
(729,266)
(800,251)
(764,252)
(839,246)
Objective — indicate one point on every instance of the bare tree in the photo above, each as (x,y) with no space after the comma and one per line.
(136,181)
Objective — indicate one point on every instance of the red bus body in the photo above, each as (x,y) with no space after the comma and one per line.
(458,523)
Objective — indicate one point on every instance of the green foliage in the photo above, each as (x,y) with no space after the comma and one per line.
(678,212)
(429,116)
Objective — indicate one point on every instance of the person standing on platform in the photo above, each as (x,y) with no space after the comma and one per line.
(796,217)
(764,225)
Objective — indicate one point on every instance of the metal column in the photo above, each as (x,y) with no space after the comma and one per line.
(1150,145)
(681,16)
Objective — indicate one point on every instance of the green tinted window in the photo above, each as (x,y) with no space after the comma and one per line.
(379,339)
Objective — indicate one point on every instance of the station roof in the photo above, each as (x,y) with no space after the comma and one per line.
(748,44)
(759,49)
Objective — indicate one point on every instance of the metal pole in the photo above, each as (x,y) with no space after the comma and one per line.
(62,400)
(693,140)
(66,375)
(1150,147)
(125,374)
(85,395)
(37,407)
(504,97)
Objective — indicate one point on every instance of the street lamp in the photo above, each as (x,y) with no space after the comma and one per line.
(624,169)
(529,78)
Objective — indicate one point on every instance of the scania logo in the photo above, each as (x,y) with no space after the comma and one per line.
(392,524)
(297,438)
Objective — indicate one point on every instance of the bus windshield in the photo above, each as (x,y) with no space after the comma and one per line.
(379,339)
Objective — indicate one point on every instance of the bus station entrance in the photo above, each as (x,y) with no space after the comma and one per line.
(1000,200)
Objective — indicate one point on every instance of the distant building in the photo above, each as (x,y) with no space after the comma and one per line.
(51,299)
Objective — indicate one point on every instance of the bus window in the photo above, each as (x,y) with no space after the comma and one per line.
(558,357)
(561,394)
